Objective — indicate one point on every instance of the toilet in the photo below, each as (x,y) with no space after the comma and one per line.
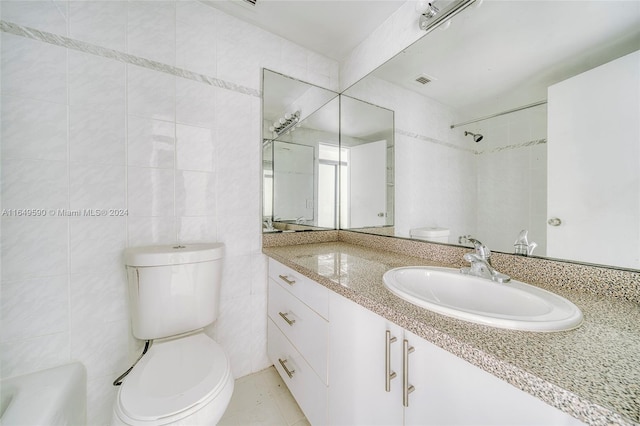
(185,376)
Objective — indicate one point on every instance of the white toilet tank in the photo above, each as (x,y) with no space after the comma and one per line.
(173,289)
(433,234)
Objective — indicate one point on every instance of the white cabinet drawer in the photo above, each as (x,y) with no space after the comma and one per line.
(306,330)
(305,386)
(310,292)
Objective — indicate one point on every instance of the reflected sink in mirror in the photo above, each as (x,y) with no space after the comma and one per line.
(514,306)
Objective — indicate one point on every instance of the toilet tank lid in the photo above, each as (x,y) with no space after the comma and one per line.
(176,254)
(430,232)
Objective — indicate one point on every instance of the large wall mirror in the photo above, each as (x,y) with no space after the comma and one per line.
(300,155)
(367,166)
(520,116)
(327,159)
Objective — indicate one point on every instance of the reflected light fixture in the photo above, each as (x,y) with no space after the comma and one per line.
(427,11)
(285,123)
(432,16)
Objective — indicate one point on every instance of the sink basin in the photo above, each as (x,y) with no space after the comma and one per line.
(515,305)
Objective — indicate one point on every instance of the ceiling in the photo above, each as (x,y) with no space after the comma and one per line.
(505,54)
(330,27)
(495,55)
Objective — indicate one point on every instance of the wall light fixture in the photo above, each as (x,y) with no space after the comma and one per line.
(285,123)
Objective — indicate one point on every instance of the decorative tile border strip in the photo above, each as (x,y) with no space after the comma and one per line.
(432,140)
(473,151)
(514,146)
(81,46)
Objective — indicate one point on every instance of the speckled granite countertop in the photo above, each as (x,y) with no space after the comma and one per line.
(592,373)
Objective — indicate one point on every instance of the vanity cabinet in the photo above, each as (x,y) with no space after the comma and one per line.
(297,337)
(346,365)
(358,395)
(439,388)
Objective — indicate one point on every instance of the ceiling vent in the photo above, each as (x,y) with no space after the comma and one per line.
(251,2)
(424,79)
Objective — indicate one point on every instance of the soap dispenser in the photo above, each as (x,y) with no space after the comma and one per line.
(522,245)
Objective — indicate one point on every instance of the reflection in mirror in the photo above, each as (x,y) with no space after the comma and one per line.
(300,123)
(293,182)
(366,139)
(553,90)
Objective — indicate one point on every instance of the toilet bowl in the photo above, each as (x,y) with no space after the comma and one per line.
(184,377)
(179,381)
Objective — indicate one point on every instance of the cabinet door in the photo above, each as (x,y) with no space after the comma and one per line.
(357,346)
(451,391)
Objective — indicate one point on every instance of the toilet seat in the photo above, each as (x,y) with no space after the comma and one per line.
(175,379)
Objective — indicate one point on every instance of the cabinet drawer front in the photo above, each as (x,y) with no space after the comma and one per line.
(306,330)
(310,292)
(305,386)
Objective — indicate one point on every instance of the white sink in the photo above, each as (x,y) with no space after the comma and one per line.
(515,305)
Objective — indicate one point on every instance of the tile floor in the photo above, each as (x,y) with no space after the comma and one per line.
(262,398)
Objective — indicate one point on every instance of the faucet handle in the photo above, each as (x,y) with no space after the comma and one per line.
(522,245)
(530,248)
(482,250)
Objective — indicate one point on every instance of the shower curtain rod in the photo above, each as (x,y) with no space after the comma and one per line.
(535,104)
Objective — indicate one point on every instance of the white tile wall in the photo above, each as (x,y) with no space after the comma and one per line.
(26,123)
(512,178)
(33,70)
(94,130)
(99,22)
(151,30)
(50,16)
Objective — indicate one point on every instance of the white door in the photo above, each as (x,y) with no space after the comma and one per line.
(293,181)
(357,383)
(594,165)
(367,183)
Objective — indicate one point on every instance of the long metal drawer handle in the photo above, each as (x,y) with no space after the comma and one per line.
(406,387)
(286,370)
(284,317)
(388,374)
(286,279)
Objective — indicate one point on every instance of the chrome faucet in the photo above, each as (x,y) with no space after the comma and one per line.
(481,262)
(522,245)
(482,251)
(268,224)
